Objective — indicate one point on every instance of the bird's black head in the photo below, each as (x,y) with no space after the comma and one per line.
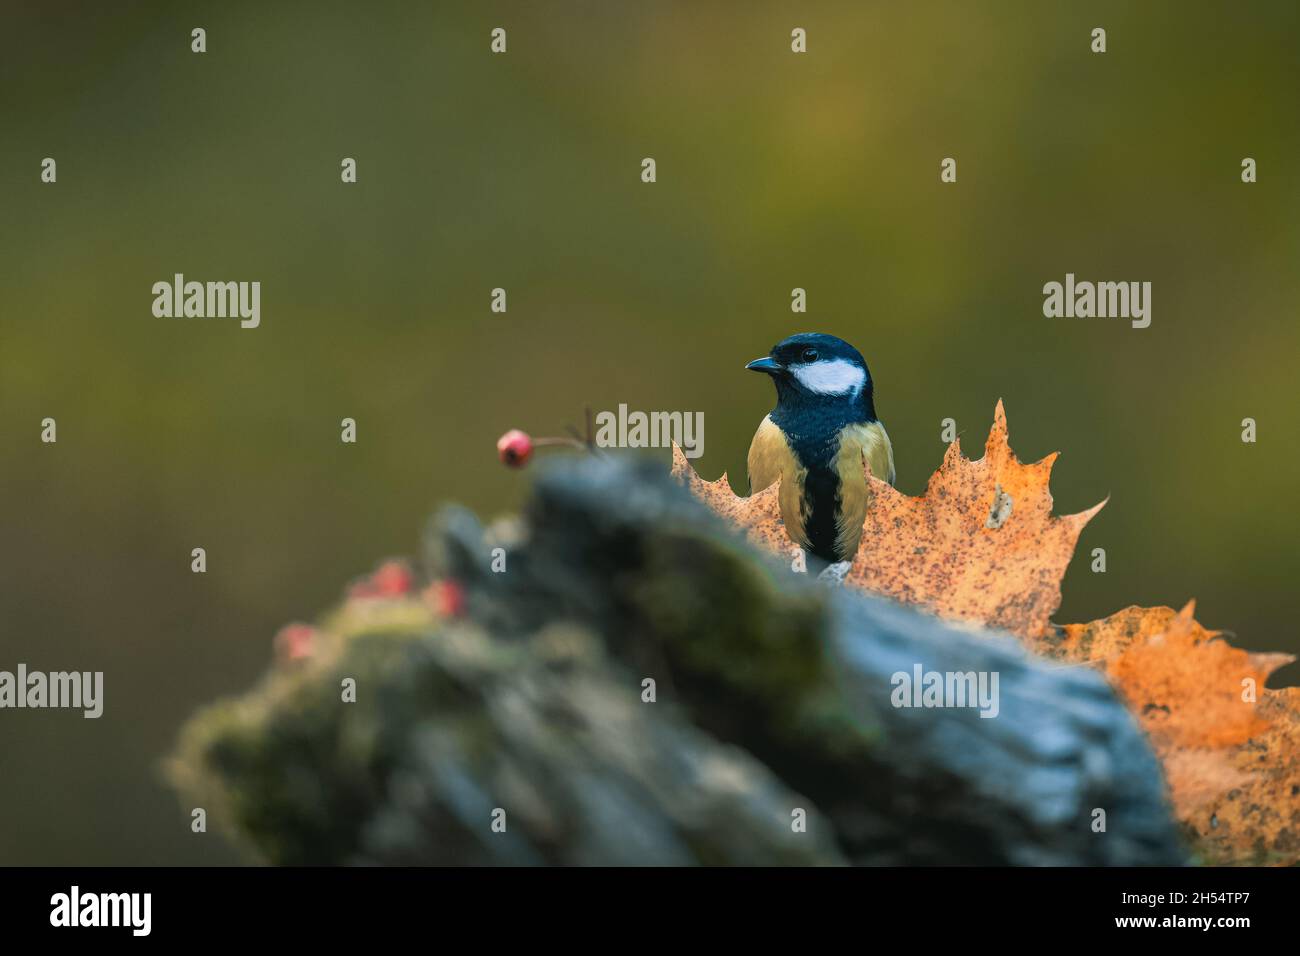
(816,369)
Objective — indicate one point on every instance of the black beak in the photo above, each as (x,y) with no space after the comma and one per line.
(766,364)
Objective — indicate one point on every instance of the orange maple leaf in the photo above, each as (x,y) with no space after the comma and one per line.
(980,545)
(1230,746)
(758,516)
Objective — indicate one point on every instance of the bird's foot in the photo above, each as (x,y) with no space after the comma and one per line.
(834,574)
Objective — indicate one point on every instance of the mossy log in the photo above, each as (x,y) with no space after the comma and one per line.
(773,737)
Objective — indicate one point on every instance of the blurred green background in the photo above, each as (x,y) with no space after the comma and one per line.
(775,170)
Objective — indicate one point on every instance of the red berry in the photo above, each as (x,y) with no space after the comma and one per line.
(295,641)
(390,579)
(446,598)
(515,448)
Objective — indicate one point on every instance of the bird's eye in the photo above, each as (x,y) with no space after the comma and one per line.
(810,355)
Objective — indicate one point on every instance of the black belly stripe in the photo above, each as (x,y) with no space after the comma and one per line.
(822,494)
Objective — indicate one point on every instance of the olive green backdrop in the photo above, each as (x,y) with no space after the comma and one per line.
(775,170)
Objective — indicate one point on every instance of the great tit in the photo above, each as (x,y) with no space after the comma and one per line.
(815,440)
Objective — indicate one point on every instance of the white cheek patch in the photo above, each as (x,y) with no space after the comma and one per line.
(832,377)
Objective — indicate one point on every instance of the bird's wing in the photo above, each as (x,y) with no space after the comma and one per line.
(769,455)
(771,459)
(859,442)
(879,452)
(867,441)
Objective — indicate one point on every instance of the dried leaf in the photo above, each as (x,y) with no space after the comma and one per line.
(759,516)
(1229,745)
(980,545)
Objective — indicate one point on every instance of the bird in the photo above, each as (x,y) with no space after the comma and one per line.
(815,440)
